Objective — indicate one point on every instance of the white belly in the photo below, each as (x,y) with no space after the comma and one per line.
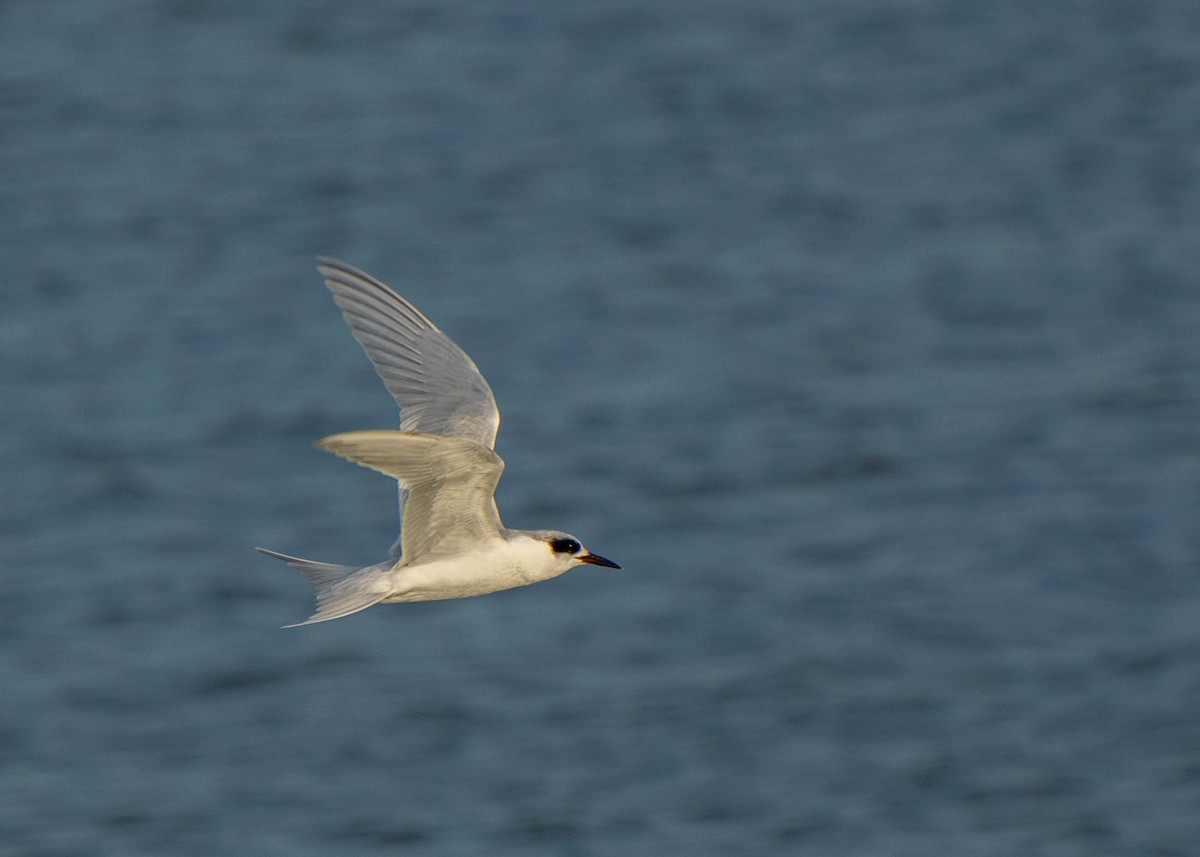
(464,577)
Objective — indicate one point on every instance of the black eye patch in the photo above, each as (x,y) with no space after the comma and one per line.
(565,546)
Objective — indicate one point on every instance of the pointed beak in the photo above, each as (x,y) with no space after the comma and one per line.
(595,559)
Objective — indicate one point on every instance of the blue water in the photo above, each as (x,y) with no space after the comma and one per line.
(863,335)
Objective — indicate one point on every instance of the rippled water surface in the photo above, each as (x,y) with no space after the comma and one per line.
(863,335)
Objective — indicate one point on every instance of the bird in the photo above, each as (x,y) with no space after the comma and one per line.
(452,543)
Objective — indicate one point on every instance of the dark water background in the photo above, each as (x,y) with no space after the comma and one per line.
(865,335)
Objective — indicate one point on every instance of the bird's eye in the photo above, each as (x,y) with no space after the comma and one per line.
(565,546)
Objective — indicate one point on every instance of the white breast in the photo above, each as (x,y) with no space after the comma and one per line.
(502,565)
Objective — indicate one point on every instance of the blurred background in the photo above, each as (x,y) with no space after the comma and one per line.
(862,334)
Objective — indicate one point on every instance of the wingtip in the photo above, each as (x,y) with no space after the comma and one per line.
(330,266)
(340,442)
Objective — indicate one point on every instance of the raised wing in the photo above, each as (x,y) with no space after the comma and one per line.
(436,385)
(451,486)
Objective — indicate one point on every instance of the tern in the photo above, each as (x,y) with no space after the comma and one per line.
(451,544)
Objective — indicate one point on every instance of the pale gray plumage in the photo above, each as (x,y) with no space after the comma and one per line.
(437,387)
(451,484)
(452,544)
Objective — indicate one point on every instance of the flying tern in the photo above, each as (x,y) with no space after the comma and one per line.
(451,544)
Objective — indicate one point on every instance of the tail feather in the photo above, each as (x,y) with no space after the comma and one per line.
(340,589)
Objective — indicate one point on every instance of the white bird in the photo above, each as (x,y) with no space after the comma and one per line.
(452,544)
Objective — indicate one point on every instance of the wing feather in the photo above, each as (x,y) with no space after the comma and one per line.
(437,387)
(451,485)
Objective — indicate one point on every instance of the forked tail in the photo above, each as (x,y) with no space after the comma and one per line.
(340,589)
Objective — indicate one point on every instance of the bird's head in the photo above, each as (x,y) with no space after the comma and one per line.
(567,550)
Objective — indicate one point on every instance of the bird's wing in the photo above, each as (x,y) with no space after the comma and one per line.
(437,386)
(451,486)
